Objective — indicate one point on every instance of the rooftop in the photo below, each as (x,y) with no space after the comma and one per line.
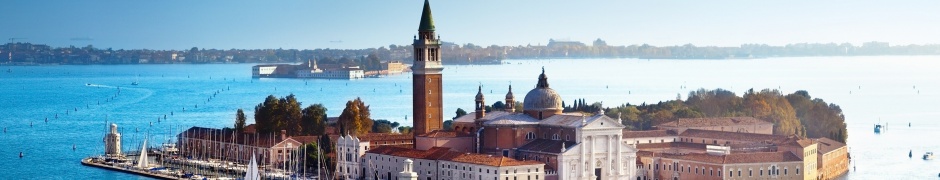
(651,133)
(444,134)
(444,154)
(826,145)
(546,146)
(734,136)
(718,121)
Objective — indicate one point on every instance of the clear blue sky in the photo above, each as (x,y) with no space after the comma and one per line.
(309,24)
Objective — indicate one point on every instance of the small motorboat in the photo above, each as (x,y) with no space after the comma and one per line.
(877,128)
(928,156)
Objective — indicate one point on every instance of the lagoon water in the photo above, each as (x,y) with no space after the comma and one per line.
(893,90)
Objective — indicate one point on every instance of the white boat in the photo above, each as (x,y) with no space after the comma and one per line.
(143,160)
(252,172)
(928,156)
(135,80)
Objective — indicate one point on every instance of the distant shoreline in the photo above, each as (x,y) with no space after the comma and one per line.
(500,62)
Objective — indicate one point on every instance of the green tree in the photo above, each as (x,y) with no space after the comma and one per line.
(355,119)
(265,114)
(240,120)
(383,126)
(518,106)
(373,62)
(406,129)
(311,155)
(314,120)
(460,113)
(499,105)
(770,105)
(449,125)
(291,115)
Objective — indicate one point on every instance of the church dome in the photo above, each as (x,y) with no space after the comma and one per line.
(542,97)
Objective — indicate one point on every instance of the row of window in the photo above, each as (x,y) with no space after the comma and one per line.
(772,170)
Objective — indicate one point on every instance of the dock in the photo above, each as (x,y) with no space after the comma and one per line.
(126,168)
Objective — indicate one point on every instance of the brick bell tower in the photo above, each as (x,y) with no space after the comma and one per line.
(428,115)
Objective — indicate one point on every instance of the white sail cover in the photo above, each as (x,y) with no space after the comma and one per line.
(142,160)
(252,172)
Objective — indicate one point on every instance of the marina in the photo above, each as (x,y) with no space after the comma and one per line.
(163,92)
(166,162)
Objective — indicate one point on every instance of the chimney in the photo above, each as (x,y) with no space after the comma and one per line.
(283,134)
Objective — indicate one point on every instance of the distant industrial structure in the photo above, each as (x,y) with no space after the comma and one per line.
(333,71)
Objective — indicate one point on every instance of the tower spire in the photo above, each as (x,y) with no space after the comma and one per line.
(510,100)
(427,23)
(480,104)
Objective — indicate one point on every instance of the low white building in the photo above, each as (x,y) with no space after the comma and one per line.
(263,70)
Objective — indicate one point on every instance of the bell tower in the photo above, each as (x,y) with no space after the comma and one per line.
(428,115)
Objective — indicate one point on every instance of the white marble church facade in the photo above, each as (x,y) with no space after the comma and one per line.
(600,154)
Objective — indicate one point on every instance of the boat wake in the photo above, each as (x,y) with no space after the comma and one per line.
(99,85)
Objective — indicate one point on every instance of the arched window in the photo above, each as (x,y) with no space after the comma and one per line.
(530,135)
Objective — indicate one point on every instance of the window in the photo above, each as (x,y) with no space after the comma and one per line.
(784,171)
(797,171)
(750,173)
(739,172)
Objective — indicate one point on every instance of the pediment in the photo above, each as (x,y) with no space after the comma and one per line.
(603,122)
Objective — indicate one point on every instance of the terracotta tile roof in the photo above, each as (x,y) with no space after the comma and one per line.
(795,141)
(444,134)
(546,146)
(650,133)
(826,145)
(444,154)
(644,153)
(407,152)
(719,121)
(305,139)
(386,137)
(761,157)
(251,128)
(485,159)
(684,145)
(735,136)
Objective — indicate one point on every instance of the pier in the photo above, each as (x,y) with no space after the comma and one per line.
(128,168)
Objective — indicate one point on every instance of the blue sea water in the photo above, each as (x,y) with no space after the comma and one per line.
(893,90)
